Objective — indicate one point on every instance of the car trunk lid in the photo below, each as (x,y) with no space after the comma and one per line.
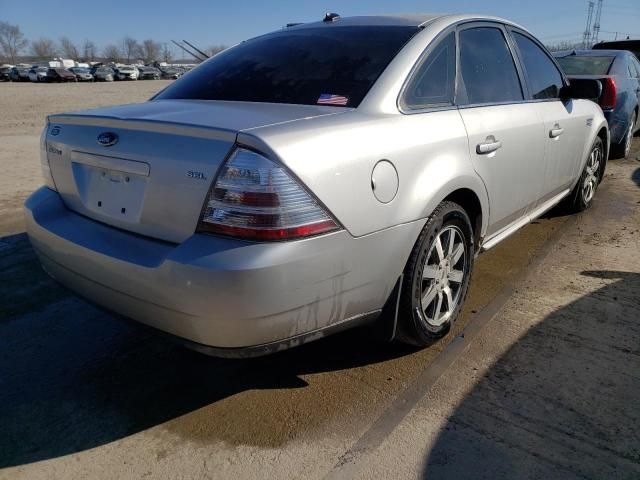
(147,168)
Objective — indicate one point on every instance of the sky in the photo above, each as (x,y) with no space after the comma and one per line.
(209,22)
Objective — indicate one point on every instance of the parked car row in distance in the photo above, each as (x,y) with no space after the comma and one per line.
(98,72)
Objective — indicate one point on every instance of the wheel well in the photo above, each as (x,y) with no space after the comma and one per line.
(468,200)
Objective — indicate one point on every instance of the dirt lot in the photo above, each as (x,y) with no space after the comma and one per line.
(24,107)
(539,380)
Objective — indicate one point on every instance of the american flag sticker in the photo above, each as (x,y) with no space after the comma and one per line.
(329,99)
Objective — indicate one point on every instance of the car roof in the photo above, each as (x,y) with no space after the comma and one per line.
(626,42)
(404,19)
(417,20)
(398,19)
(590,53)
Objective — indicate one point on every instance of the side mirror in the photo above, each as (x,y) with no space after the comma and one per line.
(586,88)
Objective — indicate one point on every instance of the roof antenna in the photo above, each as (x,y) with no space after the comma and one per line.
(188,51)
(197,49)
(330,17)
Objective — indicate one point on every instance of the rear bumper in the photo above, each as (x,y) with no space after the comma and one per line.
(218,292)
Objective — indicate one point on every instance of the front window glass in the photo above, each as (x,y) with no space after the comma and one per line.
(544,78)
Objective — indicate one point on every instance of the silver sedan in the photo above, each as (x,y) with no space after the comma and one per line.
(316,178)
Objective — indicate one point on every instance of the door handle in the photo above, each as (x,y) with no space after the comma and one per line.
(491,145)
(556,131)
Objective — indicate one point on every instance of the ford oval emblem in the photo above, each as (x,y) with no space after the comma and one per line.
(107,139)
(55,131)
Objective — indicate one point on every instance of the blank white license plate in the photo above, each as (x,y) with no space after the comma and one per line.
(110,193)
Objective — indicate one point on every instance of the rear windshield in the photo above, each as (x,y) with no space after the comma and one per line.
(308,66)
(574,65)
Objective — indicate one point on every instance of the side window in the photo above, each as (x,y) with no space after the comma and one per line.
(488,72)
(433,83)
(544,78)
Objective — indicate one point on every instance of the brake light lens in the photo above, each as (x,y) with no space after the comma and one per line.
(257,199)
(609,94)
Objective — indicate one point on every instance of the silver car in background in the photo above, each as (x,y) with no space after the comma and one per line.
(316,178)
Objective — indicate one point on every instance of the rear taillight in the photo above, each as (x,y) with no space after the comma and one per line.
(257,199)
(609,94)
(44,159)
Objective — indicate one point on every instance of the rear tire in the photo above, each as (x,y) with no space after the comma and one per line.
(436,276)
(584,191)
(622,149)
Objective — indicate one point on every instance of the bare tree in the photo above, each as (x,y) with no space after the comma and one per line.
(564,46)
(89,51)
(69,50)
(213,49)
(111,53)
(12,41)
(167,56)
(150,51)
(44,48)
(130,48)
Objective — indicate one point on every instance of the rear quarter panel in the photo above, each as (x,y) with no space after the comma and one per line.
(335,157)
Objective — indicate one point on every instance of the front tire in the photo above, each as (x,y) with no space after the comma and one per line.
(585,189)
(436,276)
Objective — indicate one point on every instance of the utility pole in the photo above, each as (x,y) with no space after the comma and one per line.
(596,23)
(586,36)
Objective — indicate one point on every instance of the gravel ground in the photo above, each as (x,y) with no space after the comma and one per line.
(84,394)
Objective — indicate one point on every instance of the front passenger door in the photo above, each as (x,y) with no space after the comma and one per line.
(506,140)
(564,127)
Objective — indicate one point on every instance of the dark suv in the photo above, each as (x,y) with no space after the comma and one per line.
(632,45)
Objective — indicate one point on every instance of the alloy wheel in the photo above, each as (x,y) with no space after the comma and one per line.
(443,275)
(629,138)
(591,179)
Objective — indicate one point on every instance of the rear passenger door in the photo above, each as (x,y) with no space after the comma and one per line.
(506,140)
(564,128)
